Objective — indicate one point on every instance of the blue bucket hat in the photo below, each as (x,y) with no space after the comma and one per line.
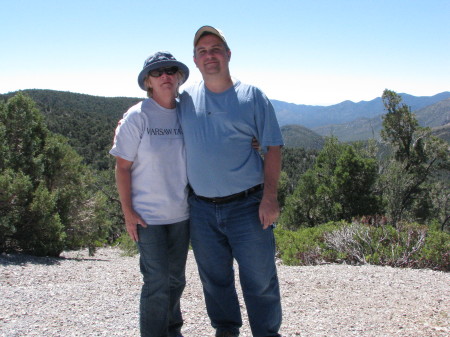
(161,59)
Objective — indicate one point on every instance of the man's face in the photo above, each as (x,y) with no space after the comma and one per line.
(211,56)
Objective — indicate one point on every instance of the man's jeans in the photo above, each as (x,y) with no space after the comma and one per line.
(163,252)
(221,232)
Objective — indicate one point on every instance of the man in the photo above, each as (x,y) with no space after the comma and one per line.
(234,204)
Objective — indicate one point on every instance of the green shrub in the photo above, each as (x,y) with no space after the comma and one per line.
(45,235)
(436,252)
(127,246)
(304,246)
(48,201)
(407,245)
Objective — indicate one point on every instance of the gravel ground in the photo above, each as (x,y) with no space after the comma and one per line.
(78,295)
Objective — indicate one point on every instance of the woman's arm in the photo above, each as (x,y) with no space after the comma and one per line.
(123,182)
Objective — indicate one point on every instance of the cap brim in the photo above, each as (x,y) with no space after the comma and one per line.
(208,29)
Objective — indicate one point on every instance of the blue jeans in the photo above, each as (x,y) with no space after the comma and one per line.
(221,232)
(163,253)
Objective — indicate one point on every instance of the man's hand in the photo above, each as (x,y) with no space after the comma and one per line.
(269,211)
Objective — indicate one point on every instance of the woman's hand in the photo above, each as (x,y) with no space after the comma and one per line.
(132,220)
(255,144)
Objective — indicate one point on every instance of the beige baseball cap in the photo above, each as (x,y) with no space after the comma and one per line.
(209,29)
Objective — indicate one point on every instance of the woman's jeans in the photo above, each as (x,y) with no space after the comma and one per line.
(221,232)
(163,253)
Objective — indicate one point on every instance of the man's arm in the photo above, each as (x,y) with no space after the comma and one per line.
(123,181)
(269,209)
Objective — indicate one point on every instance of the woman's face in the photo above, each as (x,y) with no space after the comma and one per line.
(163,81)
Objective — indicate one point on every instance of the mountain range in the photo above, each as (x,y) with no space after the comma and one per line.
(436,115)
(89,121)
(313,116)
(349,121)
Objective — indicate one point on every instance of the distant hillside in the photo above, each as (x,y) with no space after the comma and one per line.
(359,129)
(347,111)
(442,132)
(434,115)
(54,102)
(437,114)
(88,121)
(299,136)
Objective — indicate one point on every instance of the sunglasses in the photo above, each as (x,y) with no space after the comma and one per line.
(158,72)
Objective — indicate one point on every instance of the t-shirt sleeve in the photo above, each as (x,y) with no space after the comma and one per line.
(268,129)
(127,137)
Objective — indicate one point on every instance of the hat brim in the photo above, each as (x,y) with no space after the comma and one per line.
(162,64)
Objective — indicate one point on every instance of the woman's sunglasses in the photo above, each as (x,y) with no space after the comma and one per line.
(158,72)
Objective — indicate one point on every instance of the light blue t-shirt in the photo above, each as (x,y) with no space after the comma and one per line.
(218,131)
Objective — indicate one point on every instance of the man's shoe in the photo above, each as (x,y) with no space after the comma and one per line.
(226,334)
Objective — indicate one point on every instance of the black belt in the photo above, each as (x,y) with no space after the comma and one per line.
(228,198)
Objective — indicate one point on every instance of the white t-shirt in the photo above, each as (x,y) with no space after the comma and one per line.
(150,136)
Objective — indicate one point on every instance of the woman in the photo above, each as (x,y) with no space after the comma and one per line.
(153,189)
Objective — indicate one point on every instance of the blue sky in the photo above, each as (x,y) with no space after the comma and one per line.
(317,52)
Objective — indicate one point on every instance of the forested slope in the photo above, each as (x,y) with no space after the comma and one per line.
(87,121)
